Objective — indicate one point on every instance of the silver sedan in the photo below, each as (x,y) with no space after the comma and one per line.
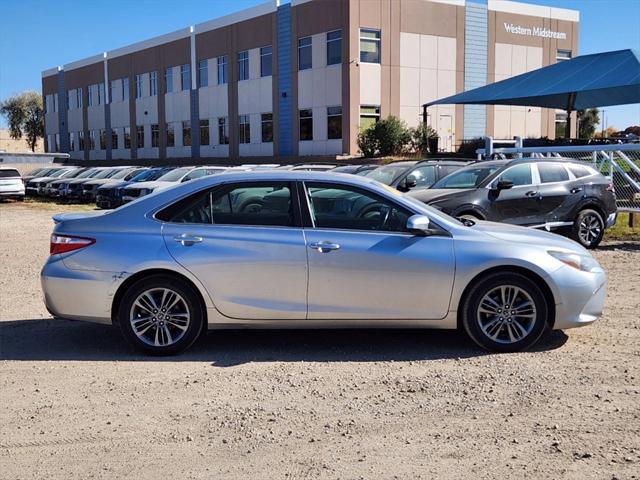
(295,249)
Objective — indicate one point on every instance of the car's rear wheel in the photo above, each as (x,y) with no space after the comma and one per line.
(161,315)
(588,228)
(505,312)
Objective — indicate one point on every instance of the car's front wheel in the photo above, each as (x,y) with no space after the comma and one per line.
(161,315)
(588,228)
(505,312)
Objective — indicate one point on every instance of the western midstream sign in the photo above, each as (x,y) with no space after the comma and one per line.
(534,32)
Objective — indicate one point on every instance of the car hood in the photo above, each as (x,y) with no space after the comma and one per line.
(153,184)
(115,184)
(43,179)
(530,236)
(429,195)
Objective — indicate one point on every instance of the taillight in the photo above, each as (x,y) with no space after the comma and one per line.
(611,188)
(67,243)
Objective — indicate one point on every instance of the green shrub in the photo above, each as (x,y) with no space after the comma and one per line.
(386,137)
(420,138)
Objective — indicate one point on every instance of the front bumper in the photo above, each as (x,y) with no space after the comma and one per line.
(580,297)
(78,294)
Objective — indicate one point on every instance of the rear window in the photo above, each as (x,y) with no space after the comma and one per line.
(552,172)
(9,173)
(580,171)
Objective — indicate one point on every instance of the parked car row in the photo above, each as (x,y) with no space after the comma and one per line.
(569,197)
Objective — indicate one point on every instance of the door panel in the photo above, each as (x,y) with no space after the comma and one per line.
(249,272)
(378,275)
(556,191)
(519,205)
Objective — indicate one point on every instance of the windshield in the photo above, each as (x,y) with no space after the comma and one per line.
(73,173)
(105,173)
(87,173)
(58,173)
(175,175)
(149,175)
(122,174)
(470,177)
(388,173)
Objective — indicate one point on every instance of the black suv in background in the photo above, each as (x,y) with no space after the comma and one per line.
(408,175)
(570,197)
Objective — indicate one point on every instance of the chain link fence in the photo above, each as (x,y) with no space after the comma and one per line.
(619,163)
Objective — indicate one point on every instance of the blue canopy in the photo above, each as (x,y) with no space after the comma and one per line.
(598,80)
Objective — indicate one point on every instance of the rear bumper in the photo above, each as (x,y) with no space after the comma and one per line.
(11,193)
(611,219)
(78,294)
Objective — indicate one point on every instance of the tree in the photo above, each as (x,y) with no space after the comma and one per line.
(384,138)
(421,136)
(25,116)
(588,120)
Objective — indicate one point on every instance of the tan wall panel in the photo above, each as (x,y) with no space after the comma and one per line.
(431,18)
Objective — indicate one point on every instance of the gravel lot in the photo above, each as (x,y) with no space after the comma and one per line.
(78,403)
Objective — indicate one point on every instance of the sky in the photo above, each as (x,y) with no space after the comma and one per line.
(41,34)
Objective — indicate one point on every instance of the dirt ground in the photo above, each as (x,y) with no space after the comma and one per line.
(78,403)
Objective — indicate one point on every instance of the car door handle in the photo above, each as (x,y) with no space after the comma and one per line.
(324,247)
(187,240)
(531,193)
(576,190)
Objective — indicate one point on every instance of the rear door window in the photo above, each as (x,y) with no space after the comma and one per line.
(250,204)
(580,171)
(552,172)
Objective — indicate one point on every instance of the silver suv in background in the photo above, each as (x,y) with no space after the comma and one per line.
(11,185)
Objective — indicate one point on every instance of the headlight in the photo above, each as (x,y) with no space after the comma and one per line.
(145,191)
(585,263)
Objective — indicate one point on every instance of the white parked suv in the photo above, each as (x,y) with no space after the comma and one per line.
(11,185)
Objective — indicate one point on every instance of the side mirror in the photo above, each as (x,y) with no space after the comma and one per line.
(504,185)
(410,182)
(418,224)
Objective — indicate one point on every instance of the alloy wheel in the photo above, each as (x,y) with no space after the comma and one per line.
(589,229)
(506,314)
(159,317)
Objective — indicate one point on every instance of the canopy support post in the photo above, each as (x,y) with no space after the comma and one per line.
(424,114)
(570,104)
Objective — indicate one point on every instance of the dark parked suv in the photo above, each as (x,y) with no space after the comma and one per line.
(407,175)
(555,194)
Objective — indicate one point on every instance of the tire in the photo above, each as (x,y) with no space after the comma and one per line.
(145,299)
(497,332)
(588,228)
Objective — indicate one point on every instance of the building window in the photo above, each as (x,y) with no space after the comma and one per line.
(222,70)
(304,53)
(101,93)
(171,138)
(46,103)
(139,86)
(168,80)
(306,124)
(223,131)
(140,136)
(72,141)
(185,77)
(369,114)
(127,137)
(186,134)
(369,45)
(55,104)
(79,97)
(153,83)
(204,132)
(334,47)
(561,124)
(267,127)
(68,99)
(112,88)
(103,139)
(80,141)
(90,95)
(114,138)
(155,135)
(203,73)
(125,89)
(266,61)
(334,123)
(56,141)
(245,129)
(243,65)
(562,55)
(92,139)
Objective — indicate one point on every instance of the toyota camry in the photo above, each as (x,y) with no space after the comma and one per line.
(295,249)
